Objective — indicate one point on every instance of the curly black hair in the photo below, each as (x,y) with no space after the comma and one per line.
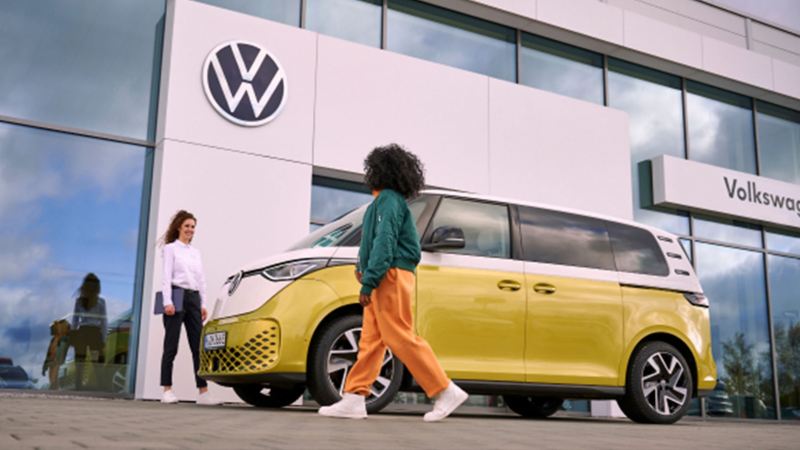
(393,167)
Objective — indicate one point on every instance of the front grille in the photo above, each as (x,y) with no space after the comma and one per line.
(256,354)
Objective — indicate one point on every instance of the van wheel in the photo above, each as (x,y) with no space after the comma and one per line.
(659,387)
(332,356)
(269,397)
(533,407)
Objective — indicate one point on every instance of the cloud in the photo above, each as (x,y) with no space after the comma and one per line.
(20,258)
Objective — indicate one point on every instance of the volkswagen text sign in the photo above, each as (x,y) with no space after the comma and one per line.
(244,83)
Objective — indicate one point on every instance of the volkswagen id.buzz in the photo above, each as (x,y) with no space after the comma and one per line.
(534,303)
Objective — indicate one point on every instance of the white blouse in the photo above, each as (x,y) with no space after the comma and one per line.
(183,267)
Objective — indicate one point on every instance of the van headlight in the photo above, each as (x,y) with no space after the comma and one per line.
(293,270)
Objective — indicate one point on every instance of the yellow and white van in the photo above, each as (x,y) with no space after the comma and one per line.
(531,302)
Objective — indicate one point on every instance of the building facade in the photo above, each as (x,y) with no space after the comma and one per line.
(113,115)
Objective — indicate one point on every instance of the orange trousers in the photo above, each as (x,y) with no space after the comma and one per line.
(388,323)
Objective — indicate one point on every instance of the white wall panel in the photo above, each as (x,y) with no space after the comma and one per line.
(662,39)
(367,97)
(558,150)
(247,207)
(730,61)
(198,29)
(787,78)
(588,17)
(525,8)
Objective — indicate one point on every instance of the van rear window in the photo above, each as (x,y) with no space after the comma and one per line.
(636,250)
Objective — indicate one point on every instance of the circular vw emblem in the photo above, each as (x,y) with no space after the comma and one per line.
(244,83)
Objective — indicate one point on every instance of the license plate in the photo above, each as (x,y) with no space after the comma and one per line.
(214,341)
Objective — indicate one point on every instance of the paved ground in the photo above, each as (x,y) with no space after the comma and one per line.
(37,421)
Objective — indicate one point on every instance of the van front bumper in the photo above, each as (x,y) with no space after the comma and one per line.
(252,347)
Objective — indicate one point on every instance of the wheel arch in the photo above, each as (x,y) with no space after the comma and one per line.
(670,338)
(350,309)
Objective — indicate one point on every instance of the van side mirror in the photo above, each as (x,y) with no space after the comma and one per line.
(444,238)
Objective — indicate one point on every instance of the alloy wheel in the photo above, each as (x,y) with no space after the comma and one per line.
(665,383)
(341,357)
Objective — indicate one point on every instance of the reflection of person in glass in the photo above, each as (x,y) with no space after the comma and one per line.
(183,269)
(89,323)
(56,351)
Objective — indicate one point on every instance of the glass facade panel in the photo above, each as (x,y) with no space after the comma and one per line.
(284,11)
(784,286)
(69,207)
(734,282)
(653,102)
(436,34)
(687,247)
(353,20)
(783,242)
(330,199)
(720,128)
(726,230)
(779,142)
(560,68)
(88,65)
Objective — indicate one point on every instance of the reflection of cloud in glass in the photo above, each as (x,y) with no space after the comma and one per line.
(285,11)
(329,203)
(727,232)
(560,75)
(81,64)
(720,134)
(779,144)
(449,45)
(656,128)
(353,20)
(68,206)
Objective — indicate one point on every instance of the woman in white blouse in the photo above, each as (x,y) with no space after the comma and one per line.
(183,270)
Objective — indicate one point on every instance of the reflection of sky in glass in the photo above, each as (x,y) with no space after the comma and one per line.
(779,143)
(733,281)
(285,11)
(687,247)
(783,242)
(90,65)
(720,133)
(784,285)
(571,75)
(656,128)
(68,206)
(451,43)
(329,203)
(353,20)
(727,231)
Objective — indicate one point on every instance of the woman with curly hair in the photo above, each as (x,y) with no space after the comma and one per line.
(387,258)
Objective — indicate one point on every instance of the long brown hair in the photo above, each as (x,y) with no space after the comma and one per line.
(174,230)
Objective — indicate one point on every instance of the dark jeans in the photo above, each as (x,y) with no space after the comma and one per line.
(190,317)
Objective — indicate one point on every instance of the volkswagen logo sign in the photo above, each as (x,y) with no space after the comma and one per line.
(244,83)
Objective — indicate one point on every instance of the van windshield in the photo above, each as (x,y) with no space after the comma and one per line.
(334,233)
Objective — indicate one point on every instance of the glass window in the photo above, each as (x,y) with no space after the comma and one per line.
(779,142)
(69,207)
(636,250)
(485,225)
(653,102)
(353,20)
(436,34)
(284,11)
(88,65)
(720,128)
(687,248)
(783,241)
(331,198)
(561,68)
(733,280)
(784,274)
(727,230)
(559,238)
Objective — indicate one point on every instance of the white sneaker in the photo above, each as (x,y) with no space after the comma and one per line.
(351,406)
(446,402)
(207,400)
(169,397)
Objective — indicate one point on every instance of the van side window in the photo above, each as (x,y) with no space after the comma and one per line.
(561,238)
(485,225)
(636,250)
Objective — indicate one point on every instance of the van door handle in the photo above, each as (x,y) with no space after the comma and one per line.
(509,285)
(544,288)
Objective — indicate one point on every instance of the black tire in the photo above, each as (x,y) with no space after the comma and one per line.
(533,407)
(276,397)
(324,386)
(668,393)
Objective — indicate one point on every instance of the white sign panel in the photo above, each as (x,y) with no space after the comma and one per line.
(684,184)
